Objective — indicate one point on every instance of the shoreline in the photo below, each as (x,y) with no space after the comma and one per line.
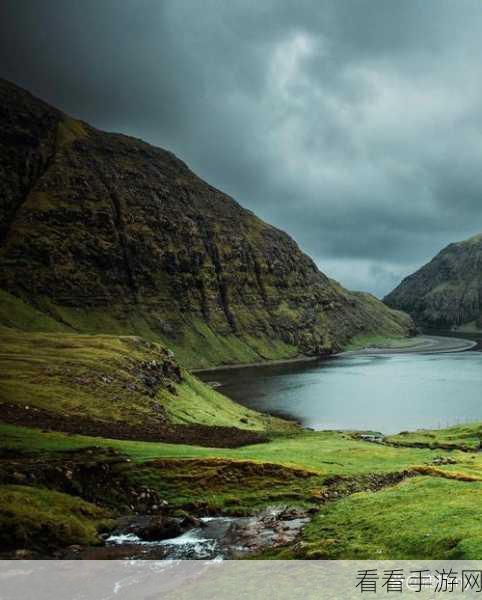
(422,344)
(428,344)
(262,363)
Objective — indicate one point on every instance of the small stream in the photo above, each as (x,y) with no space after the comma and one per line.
(217,537)
(205,542)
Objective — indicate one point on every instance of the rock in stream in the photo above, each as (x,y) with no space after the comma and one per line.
(212,538)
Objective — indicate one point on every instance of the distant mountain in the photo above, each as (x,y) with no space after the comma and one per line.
(448,290)
(103,233)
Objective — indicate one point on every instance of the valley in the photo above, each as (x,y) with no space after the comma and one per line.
(124,276)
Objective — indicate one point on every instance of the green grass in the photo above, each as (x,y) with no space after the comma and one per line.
(324,452)
(209,486)
(199,346)
(464,437)
(100,376)
(429,518)
(69,130)
(434,515)
(14,312)
(37,518)
(361,342)
(197,402)
(195,343)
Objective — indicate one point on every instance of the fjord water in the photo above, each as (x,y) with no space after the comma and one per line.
(386,393)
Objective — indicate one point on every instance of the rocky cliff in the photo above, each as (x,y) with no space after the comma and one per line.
(103,233)
(446,292)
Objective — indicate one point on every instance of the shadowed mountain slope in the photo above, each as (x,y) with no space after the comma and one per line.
(104,233)
(447,291)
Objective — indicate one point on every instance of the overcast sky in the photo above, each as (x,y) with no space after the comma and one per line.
(354,125)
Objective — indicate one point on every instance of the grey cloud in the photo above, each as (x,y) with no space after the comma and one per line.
(353,125)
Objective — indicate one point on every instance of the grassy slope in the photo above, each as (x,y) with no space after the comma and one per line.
(444,523)
(20,315)
(101,377)
(198,344)
(195,344)
(36,517)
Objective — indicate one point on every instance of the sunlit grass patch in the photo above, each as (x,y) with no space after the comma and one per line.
(424,517)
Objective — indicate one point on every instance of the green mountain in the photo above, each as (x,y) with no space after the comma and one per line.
(104,233)
(447,291)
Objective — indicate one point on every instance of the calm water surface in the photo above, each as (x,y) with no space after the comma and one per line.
(382,393)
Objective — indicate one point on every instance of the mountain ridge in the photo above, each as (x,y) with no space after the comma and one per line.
(104,233)
(446,291)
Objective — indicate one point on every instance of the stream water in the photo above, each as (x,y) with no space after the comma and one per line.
(219,537)
(204,542)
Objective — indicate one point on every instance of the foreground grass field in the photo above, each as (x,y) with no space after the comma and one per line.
(374,500)
(325,452)
(424,517)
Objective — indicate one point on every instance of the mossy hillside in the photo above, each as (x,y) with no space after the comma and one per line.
(104,377)
(444,293)
(69,130)
(14,313)
(422,518)
(107,234)
(41,519)
(198,344)
(195,343)
(197,402)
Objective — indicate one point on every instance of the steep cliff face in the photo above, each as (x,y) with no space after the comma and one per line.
(104,233)
(448,290)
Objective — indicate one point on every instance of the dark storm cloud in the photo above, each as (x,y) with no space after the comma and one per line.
(355,125)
